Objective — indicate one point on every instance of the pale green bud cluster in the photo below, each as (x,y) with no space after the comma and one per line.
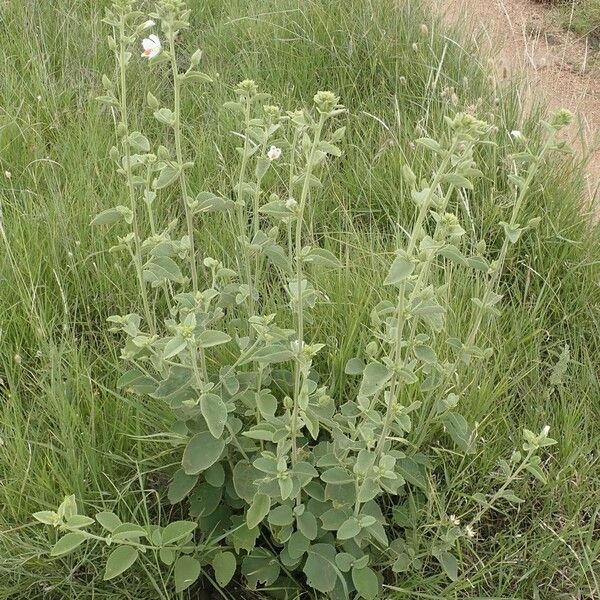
(326,101)
(561,118)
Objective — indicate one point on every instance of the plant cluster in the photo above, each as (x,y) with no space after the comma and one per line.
(285,484)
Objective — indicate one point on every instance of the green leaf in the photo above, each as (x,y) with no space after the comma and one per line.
(174,346)
(297,545)
(241,537)
(275,208)
(426,354)
(161,268)
(272,354)
(323,258)
(224,565)
(375,376)
(307,524)
(348,529)
(129,531)
(258,510)
(458,181)
(168,175)
(196,77)
(452,253)
(366,583)
(209,202)
(448,562)
(202,451)
(320,568)
(67,543)
(262,166)
(266,404)
(187,570)
(401,268)
(119,560)
(337,476)
(214,412)
(181,486)
(79,521)
(108,520)
(412,471)
(165,115)
(459,430)
(139,142)
(212,337)
(281,516)
(260,567)
(176,531)
(329,148)
(49,517)
(355,366)
(108,217)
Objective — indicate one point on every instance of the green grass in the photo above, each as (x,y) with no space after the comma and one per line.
(64,428)
(579,16)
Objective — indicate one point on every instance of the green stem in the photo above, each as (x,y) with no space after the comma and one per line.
(299,277)
(402,304)
(241,213)
(489,505)
(495,278)
(179,154)
(127,151)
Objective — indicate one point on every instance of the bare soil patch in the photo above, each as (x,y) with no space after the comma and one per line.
(555,63)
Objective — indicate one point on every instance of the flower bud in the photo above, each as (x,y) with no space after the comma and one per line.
(326,101)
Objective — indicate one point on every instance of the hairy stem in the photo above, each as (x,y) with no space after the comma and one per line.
(299,278)
(179,154)
(137,256)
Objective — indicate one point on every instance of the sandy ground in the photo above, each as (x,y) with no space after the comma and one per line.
(557,64)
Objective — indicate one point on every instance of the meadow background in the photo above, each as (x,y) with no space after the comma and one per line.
(64,427)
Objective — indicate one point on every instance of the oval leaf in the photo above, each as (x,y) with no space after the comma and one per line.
(119,560)
(202,451)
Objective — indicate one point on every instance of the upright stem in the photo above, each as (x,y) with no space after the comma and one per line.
(299,277)
(493,282)
(241,213)
(501,491)
(256,220)
(182,179)
(137,259)
(402,304)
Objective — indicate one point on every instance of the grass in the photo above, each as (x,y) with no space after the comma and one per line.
(63,427)
(579,16)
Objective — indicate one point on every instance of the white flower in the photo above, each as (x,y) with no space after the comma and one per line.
(151,46)
(274,153)
(515,134)
(545,431)
(7,174)
(291,204)
(470,532)
(454,520)
(149,23)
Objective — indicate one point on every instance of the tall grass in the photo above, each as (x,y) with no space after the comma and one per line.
(63,427)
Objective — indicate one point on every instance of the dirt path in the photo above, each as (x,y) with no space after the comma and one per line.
(554,63)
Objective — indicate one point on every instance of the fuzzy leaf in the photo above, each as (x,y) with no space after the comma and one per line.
(224,565)
(366,583)
(181,486)
(214,412)
(401,268)
(202,451)
(67,543)
(187,570)
(212,337)
(119,560)
(258,510)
